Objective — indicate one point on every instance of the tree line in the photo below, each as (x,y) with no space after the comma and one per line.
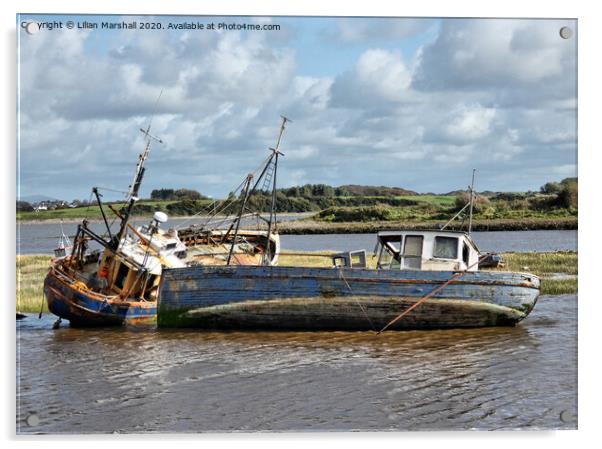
(317,197)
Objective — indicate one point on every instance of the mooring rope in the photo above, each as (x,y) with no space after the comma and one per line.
(342,276)
(430,294)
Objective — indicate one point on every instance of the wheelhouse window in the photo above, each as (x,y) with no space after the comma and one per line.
(446,248)
(389,252)
(465,253)
(413,246)
(412,252)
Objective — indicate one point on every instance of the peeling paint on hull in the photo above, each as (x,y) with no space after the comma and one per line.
(84,310)
(295,298)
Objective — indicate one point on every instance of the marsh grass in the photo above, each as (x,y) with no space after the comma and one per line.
(558,286)
(31,271)
(318,259)
(309,259)
(543,264)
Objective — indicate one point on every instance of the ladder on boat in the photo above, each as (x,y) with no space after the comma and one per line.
(268,176)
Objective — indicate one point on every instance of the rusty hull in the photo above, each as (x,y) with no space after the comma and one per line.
(297,298)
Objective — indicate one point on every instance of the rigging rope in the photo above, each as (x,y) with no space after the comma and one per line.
(226,203)
(112,190)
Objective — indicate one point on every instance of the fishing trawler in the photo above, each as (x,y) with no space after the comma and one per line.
(118,281)
(427,279)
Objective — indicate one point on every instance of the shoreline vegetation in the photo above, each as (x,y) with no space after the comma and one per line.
(324,209)
(557,270)
(312,226)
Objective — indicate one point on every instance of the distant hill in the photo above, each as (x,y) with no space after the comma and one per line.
(488,193)
(376,191)
(454,193)
(460,192)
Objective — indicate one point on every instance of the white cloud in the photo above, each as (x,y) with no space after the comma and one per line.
(384,71)
(470,122)
(516,57)
(453,155)
(303,152)
(380,77)
(504,100)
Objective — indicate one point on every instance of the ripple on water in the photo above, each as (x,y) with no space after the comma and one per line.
(107,380)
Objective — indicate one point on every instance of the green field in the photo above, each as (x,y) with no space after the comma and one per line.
(438,200)
(31,271)
(144,208)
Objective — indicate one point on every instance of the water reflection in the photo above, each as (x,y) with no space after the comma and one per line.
(105,380)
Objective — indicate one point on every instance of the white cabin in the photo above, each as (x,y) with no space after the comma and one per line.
(426,250)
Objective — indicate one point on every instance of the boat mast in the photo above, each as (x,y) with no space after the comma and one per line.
(268,179)
(472,197)
(239,218)
(134,188)
(271,223)
(132,195)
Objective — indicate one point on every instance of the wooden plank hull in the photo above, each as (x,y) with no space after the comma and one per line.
(84,308)
(296,298)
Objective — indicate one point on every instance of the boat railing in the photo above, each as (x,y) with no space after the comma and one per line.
(80,285)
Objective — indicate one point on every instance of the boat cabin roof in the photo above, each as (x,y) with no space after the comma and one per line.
(428,250)
(431,233)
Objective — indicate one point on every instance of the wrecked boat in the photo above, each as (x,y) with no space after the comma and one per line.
(118,281)
(426,279)
(434,273)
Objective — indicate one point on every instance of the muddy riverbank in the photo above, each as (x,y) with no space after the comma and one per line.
(301,223)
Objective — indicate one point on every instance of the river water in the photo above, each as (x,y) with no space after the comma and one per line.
(502,241)
(42,238)
(149,380)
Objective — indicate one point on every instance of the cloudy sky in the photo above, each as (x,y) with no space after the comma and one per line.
(415,103)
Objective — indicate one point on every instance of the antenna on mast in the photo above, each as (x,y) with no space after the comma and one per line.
(132,195)
(153,115)
(469,205)
(285,120)
(472,198)
(148,137)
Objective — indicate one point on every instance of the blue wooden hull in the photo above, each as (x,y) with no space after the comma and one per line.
(84,308)
(249,297)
